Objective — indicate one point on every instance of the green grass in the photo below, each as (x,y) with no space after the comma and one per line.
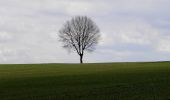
(112,81)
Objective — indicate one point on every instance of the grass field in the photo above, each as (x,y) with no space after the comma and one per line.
(112,81)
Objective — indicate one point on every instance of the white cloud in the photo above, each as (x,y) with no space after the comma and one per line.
(163,45)
(4,36)
(138,32)
(28,28)
(129,31)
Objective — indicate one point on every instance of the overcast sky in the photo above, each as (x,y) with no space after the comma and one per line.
(131,30)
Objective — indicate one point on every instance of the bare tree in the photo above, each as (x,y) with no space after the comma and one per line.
(80,34)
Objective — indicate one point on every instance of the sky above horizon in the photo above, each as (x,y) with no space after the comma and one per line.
(131,30)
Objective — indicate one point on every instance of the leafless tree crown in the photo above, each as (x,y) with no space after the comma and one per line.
(80,33)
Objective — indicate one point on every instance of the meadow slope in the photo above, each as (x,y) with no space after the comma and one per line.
(110,81)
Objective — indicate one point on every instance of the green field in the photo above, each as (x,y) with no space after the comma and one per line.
(111,81)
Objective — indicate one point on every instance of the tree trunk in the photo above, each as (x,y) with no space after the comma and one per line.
(81,58)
